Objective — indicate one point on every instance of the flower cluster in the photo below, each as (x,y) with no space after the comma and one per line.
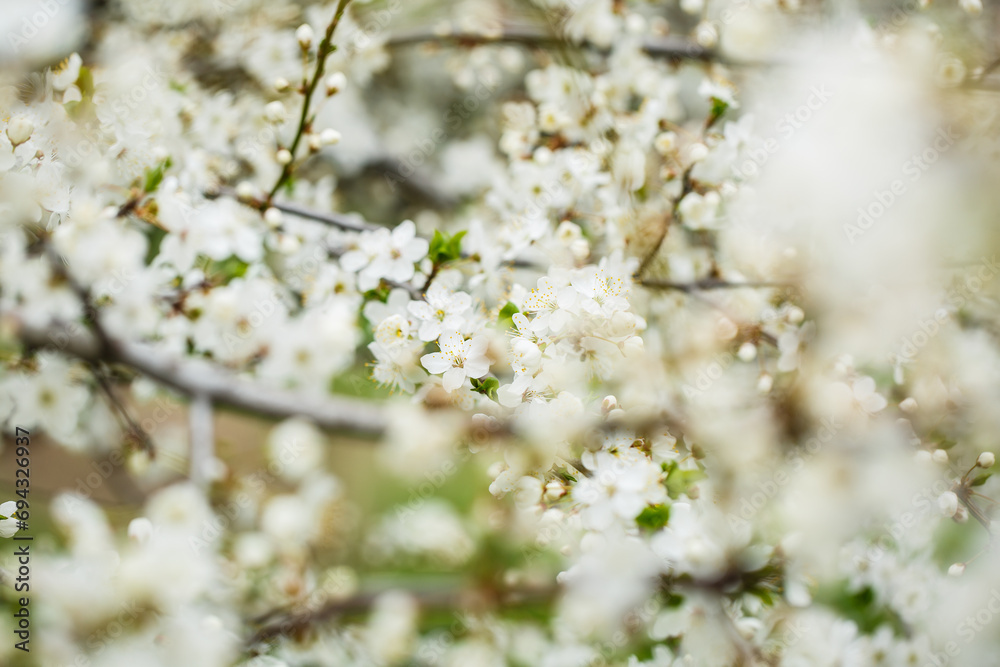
(675,332)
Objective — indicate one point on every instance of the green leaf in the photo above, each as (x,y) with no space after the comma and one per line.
(505,319)
(154,237)
(979,481)
(679,481)
(85,82)
(437,245)
(719,108)
(444,247)
(154,176)
(487,387)
(653,517)
(455,245)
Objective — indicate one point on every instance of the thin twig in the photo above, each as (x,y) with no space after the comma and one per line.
(325,49)
(339,220)
(706,284)
(136,433)
(674,48)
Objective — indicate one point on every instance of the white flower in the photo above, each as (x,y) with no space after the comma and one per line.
(699,211)
(140,530)
(384,254)
(392,331)
(866,396)
(441,311)
(8,523)
(396,366)
(550,305)
(948,503)
(986,460)
(458,360)
(67,72)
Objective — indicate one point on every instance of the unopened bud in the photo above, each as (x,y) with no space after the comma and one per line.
(305,36)
(272,217)
(244,191)
(329,137)
(335,83)
(986,460)
(140,530)
(948,503)
(19,130)
(274,112)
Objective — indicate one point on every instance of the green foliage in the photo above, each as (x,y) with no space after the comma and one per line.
(154,176)
(487,387)
(654,517)
(979,481)
(505,319)
(679,481)
(861,607)
(719,108)
(445,247)
(154,237)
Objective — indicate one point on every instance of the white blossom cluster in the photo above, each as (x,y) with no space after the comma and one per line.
(674,325)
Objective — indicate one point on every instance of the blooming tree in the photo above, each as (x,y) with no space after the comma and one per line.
(660,333)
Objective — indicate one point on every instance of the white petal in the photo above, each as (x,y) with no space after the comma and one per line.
(453,379)
(436,362)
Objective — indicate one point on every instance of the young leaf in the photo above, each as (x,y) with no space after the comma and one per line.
(654,517)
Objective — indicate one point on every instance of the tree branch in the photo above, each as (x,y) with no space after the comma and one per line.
(704,285)
(193,377)
(673,48)
(293,623)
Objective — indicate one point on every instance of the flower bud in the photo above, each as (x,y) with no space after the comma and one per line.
(948,503)
(19,130)
(986,460)
(939,456)
(272,217)
(747,352)
(956,570)
(283,157)
(140,530)
(329,137)
(908,404)
(335,83)
(305,36)
(281,84)
(245,191)
(274,112)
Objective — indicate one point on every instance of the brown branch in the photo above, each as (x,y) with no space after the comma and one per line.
(135,433)
(193,377)
(672,48)
(705,285)
(294,623)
